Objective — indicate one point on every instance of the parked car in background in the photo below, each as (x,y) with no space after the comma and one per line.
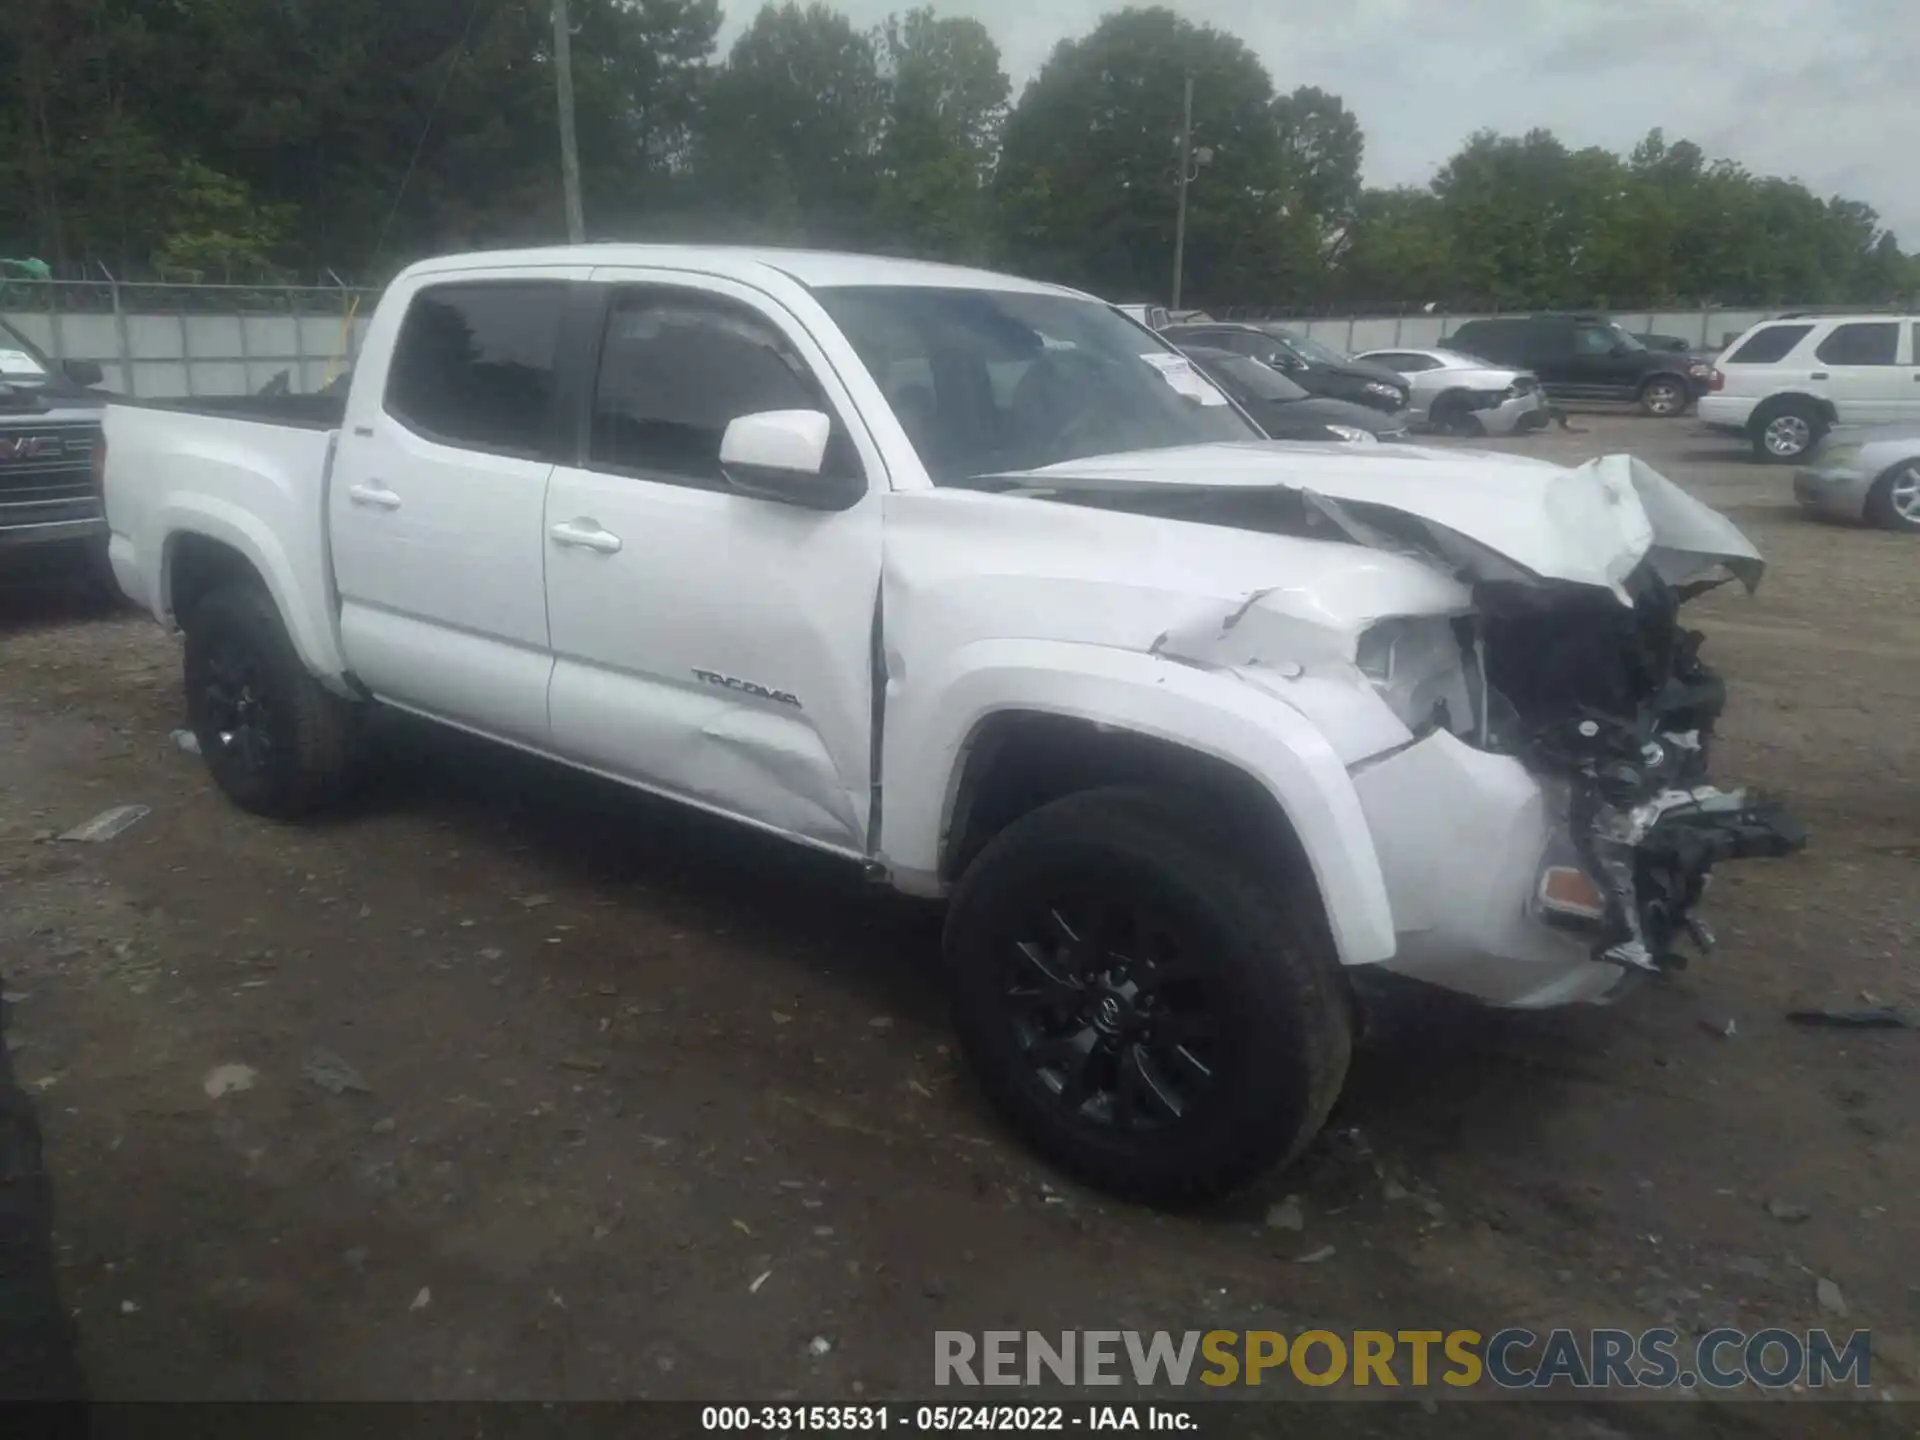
(1460,395)
(1785,383)
(1584,358)
(49,428)
(1154,317)
(1312,366)
(1284,410)
(1871,475)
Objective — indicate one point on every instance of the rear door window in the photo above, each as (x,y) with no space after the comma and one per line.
(474,366)
(1768,345)
(1861,342)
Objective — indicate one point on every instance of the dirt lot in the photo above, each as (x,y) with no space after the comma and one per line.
(650,1104)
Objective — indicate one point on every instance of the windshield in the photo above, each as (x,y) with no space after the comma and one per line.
(21,362)
(989,382)
(1312,351)
(1243,373)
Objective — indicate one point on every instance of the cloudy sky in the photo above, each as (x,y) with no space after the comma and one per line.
(1826,91)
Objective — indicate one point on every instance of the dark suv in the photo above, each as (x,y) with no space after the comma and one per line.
(1587,357)
(1309,364)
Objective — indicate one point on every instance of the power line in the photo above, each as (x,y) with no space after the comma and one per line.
(453,62)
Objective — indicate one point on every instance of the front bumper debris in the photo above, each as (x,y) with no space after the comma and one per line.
(1656,859)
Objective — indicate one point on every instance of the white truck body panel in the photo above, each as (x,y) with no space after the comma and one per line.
(256,487)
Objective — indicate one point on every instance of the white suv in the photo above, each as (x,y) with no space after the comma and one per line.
(1786,382)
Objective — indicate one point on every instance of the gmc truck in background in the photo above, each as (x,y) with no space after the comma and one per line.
(49,488)
(980,585)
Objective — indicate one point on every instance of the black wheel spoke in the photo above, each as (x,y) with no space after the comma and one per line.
(1189,1065)
(1146,1089)
(1057,983)
(1110,1003)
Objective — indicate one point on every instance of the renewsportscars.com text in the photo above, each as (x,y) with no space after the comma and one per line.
(1511,1359)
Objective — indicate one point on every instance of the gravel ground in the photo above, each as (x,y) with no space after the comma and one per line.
(639,1105)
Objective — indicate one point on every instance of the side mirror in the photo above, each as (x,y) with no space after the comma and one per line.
(782,455)
(83,372)
(1285,360)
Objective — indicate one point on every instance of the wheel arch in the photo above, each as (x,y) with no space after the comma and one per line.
(971,757)
(1781,400)
(207,547)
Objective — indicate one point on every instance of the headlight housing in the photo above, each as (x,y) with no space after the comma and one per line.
(1418,666)
(1386,392)
(1352,434)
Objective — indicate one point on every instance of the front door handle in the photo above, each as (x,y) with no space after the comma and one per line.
(1820,375)
(373,494)
(585,535)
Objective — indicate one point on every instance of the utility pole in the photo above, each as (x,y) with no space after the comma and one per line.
(569,154)
(1186,175)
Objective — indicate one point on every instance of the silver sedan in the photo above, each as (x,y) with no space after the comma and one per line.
(1461,395)
(1871,475)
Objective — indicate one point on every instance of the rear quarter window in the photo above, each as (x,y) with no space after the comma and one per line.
(1862,342)
(1767,345)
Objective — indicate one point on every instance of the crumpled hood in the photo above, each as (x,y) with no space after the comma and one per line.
(1476,514)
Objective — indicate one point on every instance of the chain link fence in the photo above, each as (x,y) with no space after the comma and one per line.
(163,341)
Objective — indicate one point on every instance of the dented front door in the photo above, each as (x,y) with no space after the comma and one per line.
(709,644)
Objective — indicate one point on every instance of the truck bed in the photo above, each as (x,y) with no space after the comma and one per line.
(305,412)
(246,473)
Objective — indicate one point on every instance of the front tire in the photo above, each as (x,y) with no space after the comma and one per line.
(1450,415)
(1894,501)
(1141,1001)
(1785,432)
(277,742)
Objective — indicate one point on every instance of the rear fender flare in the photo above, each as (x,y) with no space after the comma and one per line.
(248,536)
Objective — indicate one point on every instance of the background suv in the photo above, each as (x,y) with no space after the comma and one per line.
(1786,382)
(1585,358)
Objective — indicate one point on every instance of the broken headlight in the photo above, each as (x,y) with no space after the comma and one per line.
(1417,665)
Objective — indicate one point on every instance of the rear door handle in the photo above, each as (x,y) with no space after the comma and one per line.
(374,495)
(1819,375)
(585,535)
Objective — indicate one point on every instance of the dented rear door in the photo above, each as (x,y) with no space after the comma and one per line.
(709,644)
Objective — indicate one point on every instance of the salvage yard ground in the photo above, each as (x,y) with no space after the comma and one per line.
(632,1103)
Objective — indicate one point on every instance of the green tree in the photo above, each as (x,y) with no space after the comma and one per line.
(791,129)
(1089,170)
(1321,145)
(947,104)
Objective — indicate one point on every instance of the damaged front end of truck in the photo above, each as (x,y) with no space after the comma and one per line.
(1620,704)
(1565,656)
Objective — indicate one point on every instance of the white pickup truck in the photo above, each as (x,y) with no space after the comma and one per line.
(975,582)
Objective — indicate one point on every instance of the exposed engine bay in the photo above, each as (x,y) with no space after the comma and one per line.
(1621,703)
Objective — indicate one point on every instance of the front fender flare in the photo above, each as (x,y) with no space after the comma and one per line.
(931,720)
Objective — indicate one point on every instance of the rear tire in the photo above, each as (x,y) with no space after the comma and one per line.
(1894,501)
(1664,396)
(1783,432)
(1142,1002)
(278,743)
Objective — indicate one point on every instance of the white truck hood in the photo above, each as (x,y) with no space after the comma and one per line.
(1475,514)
